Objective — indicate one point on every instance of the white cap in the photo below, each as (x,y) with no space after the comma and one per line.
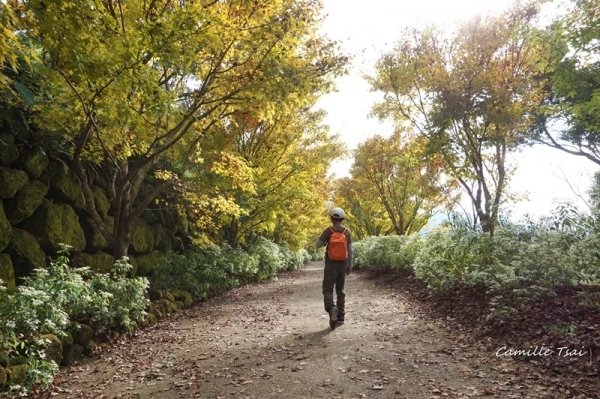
(337,213)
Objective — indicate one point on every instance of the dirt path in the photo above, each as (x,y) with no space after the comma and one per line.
(272,340)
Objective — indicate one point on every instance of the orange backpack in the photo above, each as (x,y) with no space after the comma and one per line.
(337,248)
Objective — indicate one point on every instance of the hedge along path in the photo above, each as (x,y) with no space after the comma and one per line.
(272,340)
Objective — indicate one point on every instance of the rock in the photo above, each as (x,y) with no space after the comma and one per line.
(93,237)
(3,376)
(156,310)
(67,340)
(35,163)
(166,218)
(149,217)
(101,201)
(4,358)
(89,347)
(25,202)
(11,181)
(7,273)
(25,252)
(5,229)
(154,295)
(54,351)
(17,373)
(168,296)
(53,224)
(64,187)
(134,265)
(183,296)
(72,354)
(147,262)
(142,237)
(166,306)
(8,149)
(82,333)
(183,225)
(159,236)
(100,262)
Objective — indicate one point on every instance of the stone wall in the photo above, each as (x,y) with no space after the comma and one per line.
(42,206)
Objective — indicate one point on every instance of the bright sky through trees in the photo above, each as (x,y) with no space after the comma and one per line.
(368,29)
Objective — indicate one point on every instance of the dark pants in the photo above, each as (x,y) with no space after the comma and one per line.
(334,275)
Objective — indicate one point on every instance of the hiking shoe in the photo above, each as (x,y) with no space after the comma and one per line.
(333,317)
(340,319)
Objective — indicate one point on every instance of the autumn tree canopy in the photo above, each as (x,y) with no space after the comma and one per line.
(470,93)
(569,116)
(136,87)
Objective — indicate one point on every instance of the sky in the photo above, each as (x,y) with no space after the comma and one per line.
(366,30)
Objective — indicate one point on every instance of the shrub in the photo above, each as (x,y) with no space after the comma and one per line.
(51,298)
(269,257)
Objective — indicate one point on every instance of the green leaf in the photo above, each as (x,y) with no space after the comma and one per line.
(25,93)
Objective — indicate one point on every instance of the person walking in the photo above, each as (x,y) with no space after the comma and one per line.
(338,264)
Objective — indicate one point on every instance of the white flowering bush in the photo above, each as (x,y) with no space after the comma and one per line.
(291,260)
(204,271)
(196,272)
(51,298)
(520,262)
(270,260)
(387,253)
(305,255)
(127,302)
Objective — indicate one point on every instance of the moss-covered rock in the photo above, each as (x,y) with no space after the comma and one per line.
(4,357)
(53,224)
(154,295)
(100,262)
(157,312)
(82,333)
(183,296)
(101,201)
(64,187)
(168,296)
(11,181)
(5,229)
(8,150)
(54,350)
(167,307)
(149,217)
(3,376)
(72,354)
(166,218)
(67,340)
(94,239)
(183,225)
(147,262)
(25,202)
(7,273)
(159,236)
(142,237)
(17,373)
(35,163)
(134,265)
(89,347)
(25,252)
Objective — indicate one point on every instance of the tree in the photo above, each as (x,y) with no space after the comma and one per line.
(409,186)
(471,93)
(134,85)
(289,157)
(570,117)
(365,214)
